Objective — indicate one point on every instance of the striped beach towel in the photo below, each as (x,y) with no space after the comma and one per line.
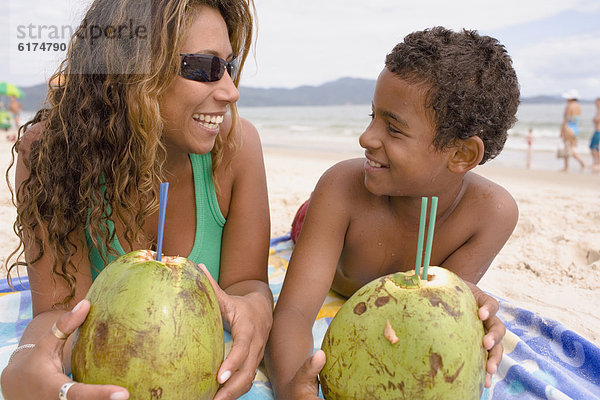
(542,359)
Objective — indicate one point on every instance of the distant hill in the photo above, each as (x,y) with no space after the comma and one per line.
(341,91)
(338,92)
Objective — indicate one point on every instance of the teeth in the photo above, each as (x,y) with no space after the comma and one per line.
(211,122)
(374,164)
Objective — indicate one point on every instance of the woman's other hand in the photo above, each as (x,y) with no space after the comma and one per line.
(39,370)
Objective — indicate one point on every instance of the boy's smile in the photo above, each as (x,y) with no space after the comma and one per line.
(400,156)
(373,163)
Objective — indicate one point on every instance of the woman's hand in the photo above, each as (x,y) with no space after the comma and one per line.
(249,318)
(495,330)
(37,373)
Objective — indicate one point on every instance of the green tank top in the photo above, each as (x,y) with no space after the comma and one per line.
(209,223)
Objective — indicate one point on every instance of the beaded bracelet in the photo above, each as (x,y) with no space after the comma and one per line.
(18,349)
(25,347)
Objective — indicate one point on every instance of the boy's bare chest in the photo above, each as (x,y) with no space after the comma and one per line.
(378,247)
(378,244)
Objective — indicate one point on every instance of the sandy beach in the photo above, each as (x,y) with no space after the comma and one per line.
(550,265)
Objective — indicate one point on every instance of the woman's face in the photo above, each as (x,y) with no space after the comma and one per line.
(193,111)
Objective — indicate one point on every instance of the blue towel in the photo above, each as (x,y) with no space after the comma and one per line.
(542,359)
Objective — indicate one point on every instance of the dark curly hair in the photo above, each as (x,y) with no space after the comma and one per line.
(472,88)
(100,153)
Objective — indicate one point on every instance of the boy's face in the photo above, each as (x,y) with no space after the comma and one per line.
(398,143)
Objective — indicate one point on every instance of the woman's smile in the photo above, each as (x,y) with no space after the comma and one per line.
(209,122)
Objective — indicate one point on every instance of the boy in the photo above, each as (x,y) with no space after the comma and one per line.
(442,105)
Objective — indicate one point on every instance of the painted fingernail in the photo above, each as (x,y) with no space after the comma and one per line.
(119,396)
(224,376)
(77,307)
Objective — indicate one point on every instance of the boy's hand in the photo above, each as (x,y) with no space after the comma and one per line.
(495,330)
(305,385)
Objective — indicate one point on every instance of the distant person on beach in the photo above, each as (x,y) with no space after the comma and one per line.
(569,129)
(595,142)
(442,105)
(530,139)
(6,123)
(15,108)
(129,115)
(5,118)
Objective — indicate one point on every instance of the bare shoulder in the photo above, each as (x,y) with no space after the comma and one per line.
(30,136)
(343,182)
(23,147)
(241,169)
(245,140)
(347,175)
(491,200)
(242,157)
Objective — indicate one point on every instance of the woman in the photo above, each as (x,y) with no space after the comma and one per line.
(129,112)
(569,129)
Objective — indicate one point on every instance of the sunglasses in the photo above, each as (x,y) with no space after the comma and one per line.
(205,67)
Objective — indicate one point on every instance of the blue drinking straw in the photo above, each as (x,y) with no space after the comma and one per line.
(432,216)
(162,210)
(421,236)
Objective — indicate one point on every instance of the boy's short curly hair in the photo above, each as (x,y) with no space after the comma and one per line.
(471,86)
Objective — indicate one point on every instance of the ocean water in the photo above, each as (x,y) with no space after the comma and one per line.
(337,128)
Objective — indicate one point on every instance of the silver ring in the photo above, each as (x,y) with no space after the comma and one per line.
(62,393)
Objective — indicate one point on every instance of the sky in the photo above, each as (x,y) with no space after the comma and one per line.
(554,44)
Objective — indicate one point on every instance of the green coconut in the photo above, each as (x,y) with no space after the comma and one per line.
(154,327)
(399,337)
